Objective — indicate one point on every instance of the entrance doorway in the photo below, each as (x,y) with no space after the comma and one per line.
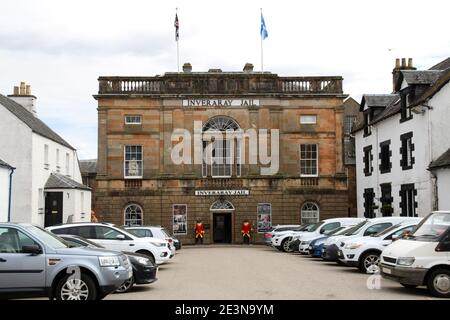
(53,208)
(222,227)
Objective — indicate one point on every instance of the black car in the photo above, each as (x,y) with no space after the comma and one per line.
(144,271)
(176,242)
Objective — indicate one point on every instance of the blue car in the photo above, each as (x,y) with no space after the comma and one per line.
(316,246)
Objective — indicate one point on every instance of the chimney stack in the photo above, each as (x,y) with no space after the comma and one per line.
(22,95)
(398,69)
(187,67)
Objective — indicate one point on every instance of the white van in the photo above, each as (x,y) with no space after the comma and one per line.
(422,258)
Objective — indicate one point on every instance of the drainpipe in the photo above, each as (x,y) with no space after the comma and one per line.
(10,193)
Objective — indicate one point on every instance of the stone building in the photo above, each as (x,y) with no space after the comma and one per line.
(140,125)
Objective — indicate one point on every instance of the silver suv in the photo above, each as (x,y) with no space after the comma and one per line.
(33,260)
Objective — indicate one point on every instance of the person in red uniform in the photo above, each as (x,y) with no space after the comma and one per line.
(246,230)
(199,232)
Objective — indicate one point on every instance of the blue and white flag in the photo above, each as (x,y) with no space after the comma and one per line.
(264,33)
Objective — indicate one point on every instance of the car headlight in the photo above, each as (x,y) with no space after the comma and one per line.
(112,261)
(142,260)
(405,261)
(158,244)
(353,246)
(304,243)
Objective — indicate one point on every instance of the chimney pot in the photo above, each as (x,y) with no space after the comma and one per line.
(28,90)
(16,90)
(187,67)
(410,63)
(403,62)
(397,63)
(22,89)
(248,68)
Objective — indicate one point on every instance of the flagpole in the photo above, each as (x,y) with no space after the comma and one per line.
(178,47)
(262,50)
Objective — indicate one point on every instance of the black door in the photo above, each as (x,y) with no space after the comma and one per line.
(222,227)
(53,208)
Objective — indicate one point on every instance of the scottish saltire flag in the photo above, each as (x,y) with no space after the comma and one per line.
(177,26)
(264,33)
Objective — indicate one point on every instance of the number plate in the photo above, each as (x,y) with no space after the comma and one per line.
(387,270)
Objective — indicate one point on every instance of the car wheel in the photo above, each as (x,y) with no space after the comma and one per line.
(70,288)
(369,263)
(285,246)
(439,283)
(408,286)
(126,286)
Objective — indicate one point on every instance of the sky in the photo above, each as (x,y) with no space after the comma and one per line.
(61,47)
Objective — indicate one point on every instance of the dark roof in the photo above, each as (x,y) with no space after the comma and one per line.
(59,181)
(377,100)
(442,81)
(445,64)
(35,124)
(393,108)
(5,165)
(421,77)
(88,166)
(442,161)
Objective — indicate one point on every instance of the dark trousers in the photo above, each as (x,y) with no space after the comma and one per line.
(246,239)
(198,240)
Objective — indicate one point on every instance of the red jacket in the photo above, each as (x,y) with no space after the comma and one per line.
(246,229)
(199,230)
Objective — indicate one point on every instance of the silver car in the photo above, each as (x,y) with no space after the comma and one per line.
(33,260)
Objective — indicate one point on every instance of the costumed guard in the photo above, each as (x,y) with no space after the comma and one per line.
(246,229)
(199,232)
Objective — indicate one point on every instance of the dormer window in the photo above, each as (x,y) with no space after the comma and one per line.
(406,113)
(367,129)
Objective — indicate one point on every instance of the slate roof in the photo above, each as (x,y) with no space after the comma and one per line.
(442,65)
(442,81)
(35,124)
(421,77)
(88,166)
(377,100)
(5,165)
(442,161)
(59,181)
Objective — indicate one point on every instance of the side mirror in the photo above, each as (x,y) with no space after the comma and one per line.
(32,249)
(322,231)
(120,237)
(395,237)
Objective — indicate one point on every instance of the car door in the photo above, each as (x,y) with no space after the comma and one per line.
(108,237)
(19,270)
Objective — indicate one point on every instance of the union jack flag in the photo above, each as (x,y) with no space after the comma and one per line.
(177,26)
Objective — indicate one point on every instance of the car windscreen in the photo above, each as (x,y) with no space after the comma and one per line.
(432,228)
(48,238)
(354,230)
(386,231)
(316,226)
(334,231)
(86,242)
(164,231)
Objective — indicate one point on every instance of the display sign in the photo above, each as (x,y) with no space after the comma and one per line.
(264,217)
(240,192)
(204,103)
(179,218)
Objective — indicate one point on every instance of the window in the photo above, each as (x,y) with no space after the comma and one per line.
(367,129)
(57,161)
(12,240)
(309,213)
(46,164)
(67,164)
(369,196)
(141,233)
(349,122)
(107,233)
(386,200)
(309,160)
(376,228)
(367,159)
(133,215)
(133,162)
(330,226)
(400,232)
(221,158)
(406,113)
(308,119)
(133,119)
(385,157)
(406,151)
(408,202)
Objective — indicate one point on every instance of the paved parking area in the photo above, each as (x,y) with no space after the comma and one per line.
(259,272)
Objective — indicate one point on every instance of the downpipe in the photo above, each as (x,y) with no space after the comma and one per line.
(10,193)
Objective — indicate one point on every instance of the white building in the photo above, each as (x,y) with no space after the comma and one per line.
(6,172)
(47,187)
(403,157)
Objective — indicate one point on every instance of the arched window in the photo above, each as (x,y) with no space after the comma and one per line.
(221,150)
(222,205)
(133,215)
(309,213)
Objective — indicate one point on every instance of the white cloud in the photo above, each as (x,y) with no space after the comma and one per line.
(61,47)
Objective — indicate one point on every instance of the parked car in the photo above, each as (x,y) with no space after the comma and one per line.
(364,252)
(144,271)
(116,238)
(155,232)
(278,228)
(315,246)
(33,260)
(365,228)
(422,258)
(176,242)
(306,238)
(282,240)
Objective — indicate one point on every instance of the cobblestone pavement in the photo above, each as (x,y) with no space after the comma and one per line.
(259,272)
